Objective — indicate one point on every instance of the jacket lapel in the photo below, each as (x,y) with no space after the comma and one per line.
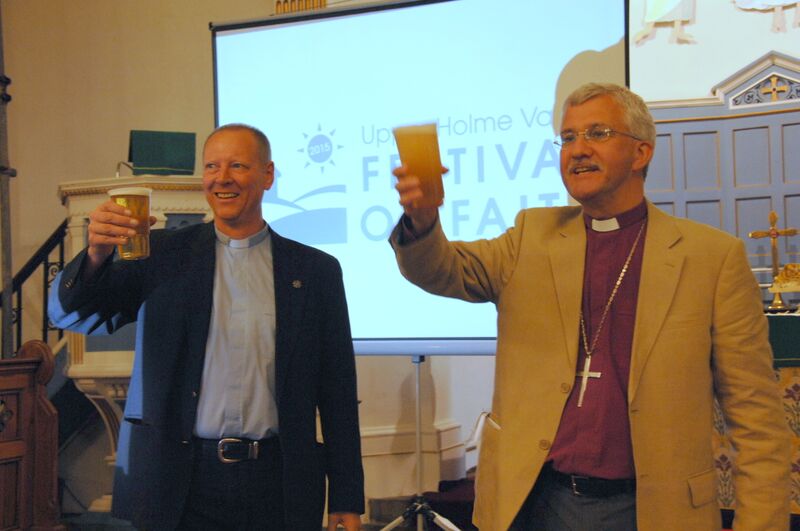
(567,251)
(661,269)
(290,294)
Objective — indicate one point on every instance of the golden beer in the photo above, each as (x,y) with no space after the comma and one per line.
(418,146)
(137,200)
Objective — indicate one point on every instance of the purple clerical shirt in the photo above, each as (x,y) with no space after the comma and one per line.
(595,439)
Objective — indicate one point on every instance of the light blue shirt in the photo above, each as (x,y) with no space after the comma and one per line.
(237,392)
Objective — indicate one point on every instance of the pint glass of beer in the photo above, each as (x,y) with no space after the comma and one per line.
(137,200)
(418,146)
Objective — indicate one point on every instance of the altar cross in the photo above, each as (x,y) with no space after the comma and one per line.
(585,374)
(774,88)
(773,234)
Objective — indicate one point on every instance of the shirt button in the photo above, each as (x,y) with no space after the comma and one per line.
(565,387)
(184,442)
(194,394)
(544,444)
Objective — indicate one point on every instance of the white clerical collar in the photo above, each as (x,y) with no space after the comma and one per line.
(250,241)
(605,225)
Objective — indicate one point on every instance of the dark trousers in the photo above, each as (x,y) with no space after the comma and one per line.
(553,507)
(247,495)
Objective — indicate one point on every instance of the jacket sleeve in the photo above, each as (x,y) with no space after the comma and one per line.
(473,271)
(749,397)
(98,305)
(338,401)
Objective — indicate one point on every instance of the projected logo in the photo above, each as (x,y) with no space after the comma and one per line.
(313,225)
(320,148)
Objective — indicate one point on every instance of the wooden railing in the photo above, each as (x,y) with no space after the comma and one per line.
(55,243)
(28,442)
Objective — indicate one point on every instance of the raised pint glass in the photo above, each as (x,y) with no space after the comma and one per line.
(137,200)
(418,146)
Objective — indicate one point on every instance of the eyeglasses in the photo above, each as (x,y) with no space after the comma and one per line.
(592,134)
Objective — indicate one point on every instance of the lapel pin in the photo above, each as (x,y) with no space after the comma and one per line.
(297,284)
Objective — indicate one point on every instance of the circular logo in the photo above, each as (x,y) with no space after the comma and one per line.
(319,148)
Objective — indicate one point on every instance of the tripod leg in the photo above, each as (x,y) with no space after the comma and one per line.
(443,522)
(435,518)
(394,523)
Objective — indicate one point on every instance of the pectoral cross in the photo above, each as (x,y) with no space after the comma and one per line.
(585,374)
(773,234)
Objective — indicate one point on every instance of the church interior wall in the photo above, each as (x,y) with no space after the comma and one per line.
(85,73)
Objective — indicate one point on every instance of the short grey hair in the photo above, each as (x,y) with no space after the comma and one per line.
(264,149)
(636,115)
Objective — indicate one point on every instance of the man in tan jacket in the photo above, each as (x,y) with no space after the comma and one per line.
(617,326)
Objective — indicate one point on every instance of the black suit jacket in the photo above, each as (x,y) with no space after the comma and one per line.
(170,297)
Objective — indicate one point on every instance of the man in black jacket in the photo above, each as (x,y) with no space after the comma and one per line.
(242,336)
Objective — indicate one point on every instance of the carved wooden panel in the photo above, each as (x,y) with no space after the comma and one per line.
(667,207)
(791,246)
(16,466)
(28,442)
(661,174)
(730,172)
(9,415)
(751,157)
(791,152)
(701,160)
(708,212)
(9,486)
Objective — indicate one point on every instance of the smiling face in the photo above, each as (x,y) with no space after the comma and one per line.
(604,177)
(235,176)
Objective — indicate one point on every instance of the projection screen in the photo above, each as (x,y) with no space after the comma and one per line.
(328,88)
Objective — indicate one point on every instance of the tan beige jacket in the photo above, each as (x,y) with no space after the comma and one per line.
(700,329)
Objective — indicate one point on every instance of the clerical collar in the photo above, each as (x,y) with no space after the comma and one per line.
(250,241)
(621,221)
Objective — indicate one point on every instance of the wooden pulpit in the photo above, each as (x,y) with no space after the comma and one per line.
(28,442)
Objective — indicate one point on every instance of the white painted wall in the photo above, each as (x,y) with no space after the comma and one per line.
(86,72)
(727,39)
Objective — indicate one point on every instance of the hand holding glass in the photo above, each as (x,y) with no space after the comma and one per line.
(418,146)
(137,200)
